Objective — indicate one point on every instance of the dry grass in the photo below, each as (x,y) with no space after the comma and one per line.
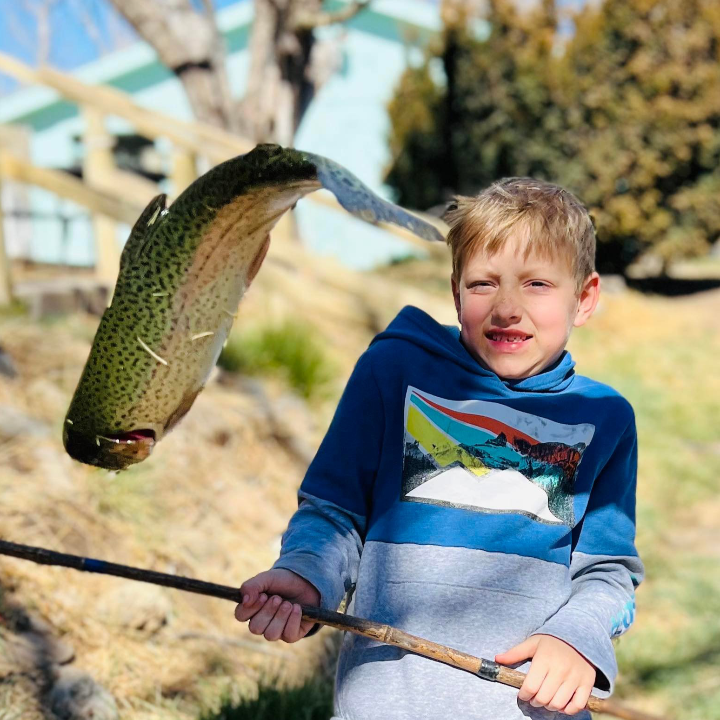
(211,503)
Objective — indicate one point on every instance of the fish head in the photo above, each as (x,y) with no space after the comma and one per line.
(112,452)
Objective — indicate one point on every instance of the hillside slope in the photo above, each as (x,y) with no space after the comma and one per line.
(215,496)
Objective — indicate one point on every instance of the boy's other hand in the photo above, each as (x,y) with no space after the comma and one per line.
(559,679)
(271,602)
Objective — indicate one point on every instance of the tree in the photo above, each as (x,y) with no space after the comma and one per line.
(627,117)
(285,67)
(496,91)
(643,125)
(188,43)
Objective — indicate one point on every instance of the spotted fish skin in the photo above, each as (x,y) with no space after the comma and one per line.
(183,271)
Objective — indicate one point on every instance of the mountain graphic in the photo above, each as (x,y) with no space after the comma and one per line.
(456,458)
(496,491)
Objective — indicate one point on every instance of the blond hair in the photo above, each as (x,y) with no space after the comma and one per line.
(555,223)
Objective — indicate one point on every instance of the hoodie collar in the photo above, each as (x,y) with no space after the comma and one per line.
(416,326)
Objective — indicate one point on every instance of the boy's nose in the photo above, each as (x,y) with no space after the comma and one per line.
(507,310)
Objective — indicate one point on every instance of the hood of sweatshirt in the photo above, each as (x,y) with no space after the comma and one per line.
(416,326)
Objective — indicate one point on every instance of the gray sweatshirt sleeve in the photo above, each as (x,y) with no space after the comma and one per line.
(605,568)
(323,544)
(325,536)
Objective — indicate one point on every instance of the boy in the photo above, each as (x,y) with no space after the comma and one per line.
(476,490)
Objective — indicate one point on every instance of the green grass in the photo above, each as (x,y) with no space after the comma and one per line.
(291,350)
(16,309)
(273,701)
(126,495)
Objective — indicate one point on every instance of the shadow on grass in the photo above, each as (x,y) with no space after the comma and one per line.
(678,668)
(311,701)
(673,287)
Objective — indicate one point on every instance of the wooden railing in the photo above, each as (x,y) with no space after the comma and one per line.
(110,194)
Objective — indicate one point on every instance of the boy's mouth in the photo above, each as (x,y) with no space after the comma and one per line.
(505,341)
(507,336)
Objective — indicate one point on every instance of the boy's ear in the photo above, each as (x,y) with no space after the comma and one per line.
(456,296)
(588,299)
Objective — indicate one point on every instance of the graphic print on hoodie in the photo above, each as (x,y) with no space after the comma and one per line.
(488,457)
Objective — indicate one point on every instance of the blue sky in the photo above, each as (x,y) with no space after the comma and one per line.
(71,44)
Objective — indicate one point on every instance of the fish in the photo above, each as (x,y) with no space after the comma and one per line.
(183,272)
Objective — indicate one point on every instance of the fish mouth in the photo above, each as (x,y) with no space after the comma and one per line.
(112,451)
(132,436)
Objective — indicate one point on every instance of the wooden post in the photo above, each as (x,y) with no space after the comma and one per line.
(5,279)
(98,164)
(184,169)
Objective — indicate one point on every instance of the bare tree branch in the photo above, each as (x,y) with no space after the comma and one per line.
(190,44)
(90,27)
(17,28)
(310,21)
(179,34)
(41,10)
(121,33)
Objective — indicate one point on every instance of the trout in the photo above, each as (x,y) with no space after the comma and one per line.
(183,272)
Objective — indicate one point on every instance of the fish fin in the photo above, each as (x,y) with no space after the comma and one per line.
(359,200)
(142,229)
(257,261)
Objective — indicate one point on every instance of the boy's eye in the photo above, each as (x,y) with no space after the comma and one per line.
(539,284)
(481,287)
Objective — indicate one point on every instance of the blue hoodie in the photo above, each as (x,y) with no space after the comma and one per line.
(472,511)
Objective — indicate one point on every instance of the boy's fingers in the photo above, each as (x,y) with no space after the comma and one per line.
(276,626)
(292,632)
(533,681)
(252,588)
(523,651)
(562,696)
(547,691)
(579,700)
(246,611)
(259,621)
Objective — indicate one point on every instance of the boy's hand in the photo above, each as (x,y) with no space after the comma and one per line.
(271,601)
(559,679)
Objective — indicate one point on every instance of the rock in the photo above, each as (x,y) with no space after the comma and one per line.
(76,696)
(45,394)
(7,367)
(15,423)
(32,643)
(31,650)
(136,607)
(54,466)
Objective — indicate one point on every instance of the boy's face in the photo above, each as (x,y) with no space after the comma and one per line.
(516,313)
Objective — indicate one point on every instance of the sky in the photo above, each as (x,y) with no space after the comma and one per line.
(79,31)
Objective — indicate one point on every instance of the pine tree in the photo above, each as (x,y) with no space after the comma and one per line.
(643,125)
(627,117)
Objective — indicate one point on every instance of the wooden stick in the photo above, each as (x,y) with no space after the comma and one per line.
(386,634)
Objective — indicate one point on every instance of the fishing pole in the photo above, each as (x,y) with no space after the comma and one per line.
(386,634)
